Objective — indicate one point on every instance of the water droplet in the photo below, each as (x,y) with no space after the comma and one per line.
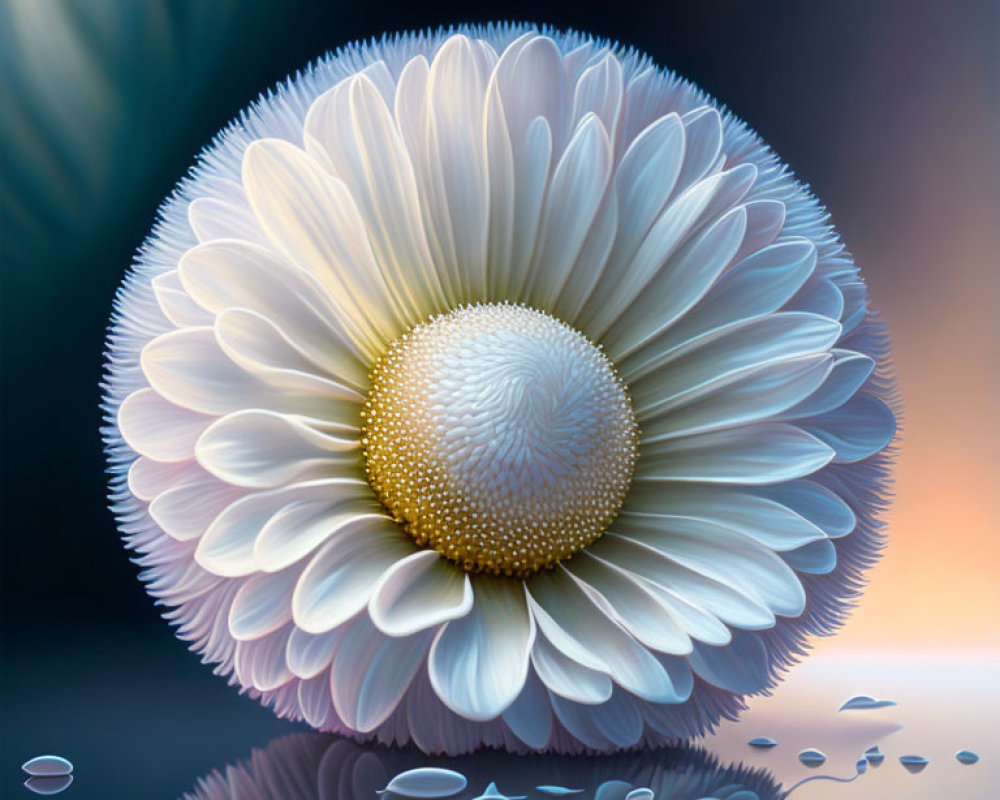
(47,765)
(762,742)
(640,794)
(812,757)
(913,763)
(427,782)
(48,784)
(492,792)
(557,791)
(613,790)
(966,757)
(864,701)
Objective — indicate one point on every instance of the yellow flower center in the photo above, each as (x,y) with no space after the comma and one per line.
(500,437)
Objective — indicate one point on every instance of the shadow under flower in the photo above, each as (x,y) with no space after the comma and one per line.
(312,766)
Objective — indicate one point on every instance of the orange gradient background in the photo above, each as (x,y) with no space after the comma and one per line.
(918,202)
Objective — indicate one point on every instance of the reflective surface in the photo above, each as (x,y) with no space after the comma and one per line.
(310,766)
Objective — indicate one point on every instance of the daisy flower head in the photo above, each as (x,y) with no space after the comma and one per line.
(496,387)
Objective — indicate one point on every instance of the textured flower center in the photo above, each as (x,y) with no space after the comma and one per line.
(500,437)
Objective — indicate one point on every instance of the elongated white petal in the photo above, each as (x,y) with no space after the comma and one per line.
(479,662)
(262,605)
(566,677)
(721,554)
(768,452)
(769,521)
(574,198)
(229,274)
(814,502)
(227,547)
(262,449)
(310,654)
(579,616)
(371,672)
(340,579)
(185,511)
(419,592)
(148,478)
(861,427)
(718,598)
(313,221)
(159,429)
(530,715)
(752,396)
(636,609)
(850,371)
(353,126)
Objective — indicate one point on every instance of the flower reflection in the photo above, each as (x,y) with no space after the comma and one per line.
(312,766)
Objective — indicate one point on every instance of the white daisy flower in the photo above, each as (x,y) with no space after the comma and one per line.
(495,387)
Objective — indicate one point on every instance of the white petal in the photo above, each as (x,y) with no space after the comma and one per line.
(765,219)
(298,528)
(211,219)
(533,84)
(261,663)
(420,592)
(148,478)
(636,609)
(229,274)
(371,673)
(823,508)
(530,715)
(680,281)
(158,429)
(754,395)
(724,354)
(759,284)
(500,174)
(259,346)
(817,558)
(721,600)
(176,304)
(581,723)
(309,654)
(849,373)
(574,198)
(316,704)
(313,221)
(188,368)
(262,605)
(185,511)
(580,615)
(697,622)
(531,177)
(599,90)
(703,134)
(340,579)
(620,721)
(227,548)
(819,296)
(769,521)
(455,96)
(566,677)
(643,181)
(767,452)
(741,666)
(859,428)
(353,126)
(721,554)
(262,449)
(479,663)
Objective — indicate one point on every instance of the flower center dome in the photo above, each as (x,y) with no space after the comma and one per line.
(500,437)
